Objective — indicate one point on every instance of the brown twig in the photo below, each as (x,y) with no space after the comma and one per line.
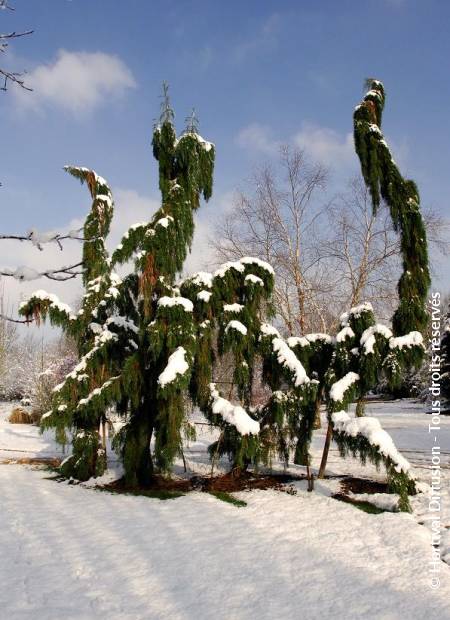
(3,317)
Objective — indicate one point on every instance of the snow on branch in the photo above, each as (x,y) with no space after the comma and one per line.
(170,302)
(40,303)
(413,339)
(370,429)
(27,274)
(344,333)
(233,414)
(339,389)
(237,326)
(11,76)
(368,340)
(101,394)
(79,373)
(38,239)
(177,366)
(287,358)
(355,312)
(269,330)
(304,341)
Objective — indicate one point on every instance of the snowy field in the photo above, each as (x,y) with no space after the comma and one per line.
(75,552)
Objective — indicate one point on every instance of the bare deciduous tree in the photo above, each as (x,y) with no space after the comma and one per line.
(365,249)
(278,221)
(328,256)
(11,76)
(362,248)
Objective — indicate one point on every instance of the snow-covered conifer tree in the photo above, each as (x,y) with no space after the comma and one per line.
(233,298)
(364,349)
(88,456)
(141,357)
(154,340)
(384,180)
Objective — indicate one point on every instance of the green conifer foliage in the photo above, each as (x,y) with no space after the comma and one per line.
(154,339)
(384,180)
(230,314)
(355,360)
(148,341)
(88,457)
(140,357)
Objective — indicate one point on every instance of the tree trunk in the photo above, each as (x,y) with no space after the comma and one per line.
(137,458)
(360,407)
(310,477)
(326,449)
(317,421)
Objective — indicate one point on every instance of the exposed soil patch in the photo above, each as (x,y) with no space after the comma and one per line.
(227,483)
(362,485)
(362,505)
(49,461)
(351,485)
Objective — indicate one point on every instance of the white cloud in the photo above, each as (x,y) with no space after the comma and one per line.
(129,208)
(322,144)
(256,137)
(202,257)
(77,81)
(326,145)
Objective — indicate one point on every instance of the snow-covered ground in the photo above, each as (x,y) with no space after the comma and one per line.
(24,440)
(74,552)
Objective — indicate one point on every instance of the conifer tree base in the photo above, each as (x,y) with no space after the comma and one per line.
(136,455)
(88,458)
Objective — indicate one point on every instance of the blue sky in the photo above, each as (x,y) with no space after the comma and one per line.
(258,73)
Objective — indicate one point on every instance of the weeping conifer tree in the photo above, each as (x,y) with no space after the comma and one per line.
(154,339)
(144,334)
(363,349)
(385,181)
(88,456)
(153,343)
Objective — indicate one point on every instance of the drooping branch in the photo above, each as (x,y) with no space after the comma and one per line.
(385,182)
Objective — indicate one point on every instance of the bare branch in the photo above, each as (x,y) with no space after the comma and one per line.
(39,239)
(12,76)
(4,5)
(11,320)
(13,35)
(25,274)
